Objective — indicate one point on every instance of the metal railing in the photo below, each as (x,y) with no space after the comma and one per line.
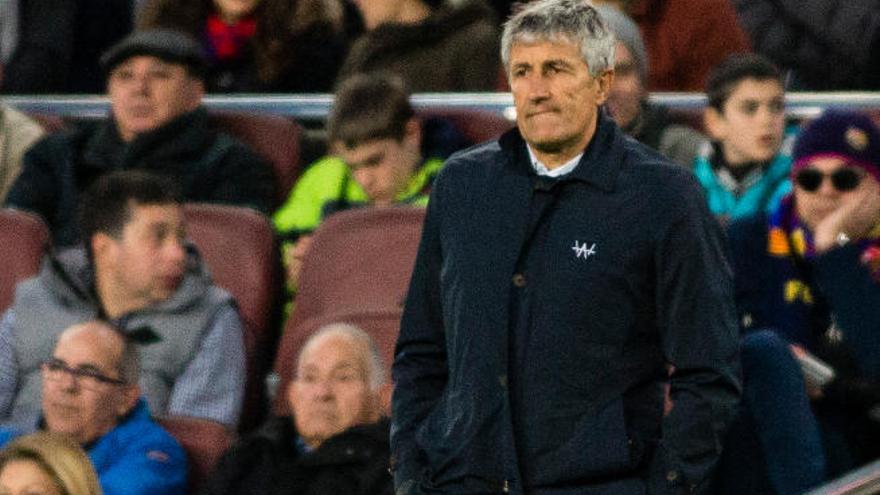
(316,106)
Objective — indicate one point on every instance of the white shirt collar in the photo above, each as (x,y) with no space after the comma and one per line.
(542,170)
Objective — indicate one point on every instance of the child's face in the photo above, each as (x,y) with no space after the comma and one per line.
(751,124)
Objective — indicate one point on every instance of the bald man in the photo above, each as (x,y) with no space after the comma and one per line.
(90,393)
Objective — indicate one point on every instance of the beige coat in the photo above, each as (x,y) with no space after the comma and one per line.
(17,133)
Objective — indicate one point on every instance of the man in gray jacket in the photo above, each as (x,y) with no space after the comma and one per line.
(135,271)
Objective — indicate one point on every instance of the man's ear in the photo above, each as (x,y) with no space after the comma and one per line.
(604,82)
(101,244)
(412,133)
(130,396)
(715,123)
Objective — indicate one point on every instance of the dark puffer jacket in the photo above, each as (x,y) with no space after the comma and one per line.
(269,462)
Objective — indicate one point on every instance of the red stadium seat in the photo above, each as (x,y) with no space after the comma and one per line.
(274,137)
(359,260)
(203,441)
(476,125)
(24,239)
(239,248)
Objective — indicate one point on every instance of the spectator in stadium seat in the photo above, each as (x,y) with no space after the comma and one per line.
(377,145)
(90,394)
(135,271)
(823,45)
(17,134)
(561,268)
(628,100)
(157,123)
(746,167)
(335,441)
(41,462)
(808,283)
(435,45)
(260,45)
(56,45)
(685,39)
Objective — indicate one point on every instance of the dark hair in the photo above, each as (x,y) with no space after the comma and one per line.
(731,71)
(106,205)
(367,107)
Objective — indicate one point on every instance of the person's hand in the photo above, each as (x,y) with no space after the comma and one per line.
(858,214)
(293,258)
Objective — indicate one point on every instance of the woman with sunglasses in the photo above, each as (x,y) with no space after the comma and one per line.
(808,295)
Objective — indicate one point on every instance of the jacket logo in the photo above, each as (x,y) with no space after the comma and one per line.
(582,250)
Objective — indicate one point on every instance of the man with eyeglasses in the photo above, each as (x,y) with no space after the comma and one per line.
(137,271)
(808,294)
(90,393)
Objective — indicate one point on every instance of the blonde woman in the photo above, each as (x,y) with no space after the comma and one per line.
(46,464)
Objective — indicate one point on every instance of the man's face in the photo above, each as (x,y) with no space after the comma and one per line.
(556,98)
(751,124)
(377,12)
(813,207)
(146,264)
(84,408)
(382,167)
(627,90)
(147,92)
(331,392)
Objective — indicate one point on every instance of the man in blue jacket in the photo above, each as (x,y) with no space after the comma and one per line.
(563,270)
(90,393)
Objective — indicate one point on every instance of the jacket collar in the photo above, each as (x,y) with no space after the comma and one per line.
(599,166)
(182,136)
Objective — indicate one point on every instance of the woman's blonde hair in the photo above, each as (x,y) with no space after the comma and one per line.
(59,457)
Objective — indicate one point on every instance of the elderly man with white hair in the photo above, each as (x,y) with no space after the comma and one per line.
(336,441)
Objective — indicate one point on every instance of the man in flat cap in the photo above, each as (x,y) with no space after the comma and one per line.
(157,123)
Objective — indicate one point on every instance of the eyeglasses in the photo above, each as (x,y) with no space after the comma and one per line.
(843,179)
(55,370)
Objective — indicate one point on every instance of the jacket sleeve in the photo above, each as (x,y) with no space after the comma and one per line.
(420,364)
(854,298)
(34,189)
(697,323)
(212,385)
(248,180)
(8,363)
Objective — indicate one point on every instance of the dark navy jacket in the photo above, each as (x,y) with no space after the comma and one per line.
(539,320)
(800,299)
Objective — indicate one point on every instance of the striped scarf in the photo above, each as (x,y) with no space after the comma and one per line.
(788,236)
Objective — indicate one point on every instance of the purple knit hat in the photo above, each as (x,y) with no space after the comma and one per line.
(844,134)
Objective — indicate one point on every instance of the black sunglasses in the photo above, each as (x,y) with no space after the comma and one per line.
(843,179)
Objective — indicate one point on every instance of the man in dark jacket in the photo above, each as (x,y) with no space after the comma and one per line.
(562,270)
(333,443)
(157,124)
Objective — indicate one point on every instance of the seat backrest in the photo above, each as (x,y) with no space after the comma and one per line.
(476,125)
(204,442)
(24,239)
(359,260)
(382,325)
(239,248)
(275,138)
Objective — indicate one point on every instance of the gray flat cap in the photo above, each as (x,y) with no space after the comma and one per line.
(165,44)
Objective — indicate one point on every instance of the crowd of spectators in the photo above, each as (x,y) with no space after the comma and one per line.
(800,203)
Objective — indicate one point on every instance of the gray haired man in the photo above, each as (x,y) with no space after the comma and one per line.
(563,269)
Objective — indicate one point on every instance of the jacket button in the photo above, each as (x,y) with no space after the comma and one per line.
(519,280)
(502,380)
